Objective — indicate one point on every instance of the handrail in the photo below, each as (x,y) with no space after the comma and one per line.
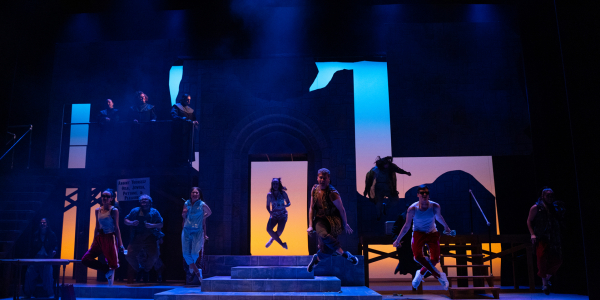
(121,122)
(28,130)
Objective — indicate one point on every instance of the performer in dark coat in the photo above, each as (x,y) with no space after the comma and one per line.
(110,115)
(544,223)
(44,246)
(142,112)
(380,183)
(182,138)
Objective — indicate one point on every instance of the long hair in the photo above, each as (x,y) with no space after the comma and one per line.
(113,195)
(541,198)
(280,189)
(201,197)
(380,162)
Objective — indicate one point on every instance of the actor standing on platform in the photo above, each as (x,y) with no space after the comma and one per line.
(277,201)
(381,183)
(422,215)
(544,223)
(195,212)
(146,223)
(142,112)
(182,137)
(328,216)
(110,115)
(44,246)
(107,237)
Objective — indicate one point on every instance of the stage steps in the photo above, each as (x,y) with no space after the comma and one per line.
(270,282)
(346,293)
(271,272)
(22,195)
(228,284)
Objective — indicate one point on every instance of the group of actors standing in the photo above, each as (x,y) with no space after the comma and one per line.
(326,218)
(143,250)
(182,115)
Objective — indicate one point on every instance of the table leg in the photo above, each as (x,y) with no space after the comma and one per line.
(16,296)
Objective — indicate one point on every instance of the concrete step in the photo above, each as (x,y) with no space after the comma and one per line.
(227,284)
(346,293)
(271,272)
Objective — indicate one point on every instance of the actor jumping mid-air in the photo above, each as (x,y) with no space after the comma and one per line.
(277,201)
(328,216)
(195,212)
(544,223)
(381,183)
(423,215)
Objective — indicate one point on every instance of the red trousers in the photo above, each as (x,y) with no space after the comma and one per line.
(433,241)
(548,261)
(107,245)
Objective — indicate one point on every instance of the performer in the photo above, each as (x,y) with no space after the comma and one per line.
(107,237)
(195,212)
(44,246)
(381,183)
(110,115)
(142,112)
(406,263)
(328,216)
(146,223)
(544,223)
(424,213)
(277,201)
(184,120)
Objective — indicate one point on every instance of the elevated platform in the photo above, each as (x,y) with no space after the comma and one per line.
(346,293)
(137,291)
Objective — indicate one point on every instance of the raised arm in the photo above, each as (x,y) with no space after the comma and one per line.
(437,210)
(286,199)
(340,206)
(532,213)
(398,170)
(409,218)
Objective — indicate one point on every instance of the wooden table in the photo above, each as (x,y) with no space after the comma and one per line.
(35,261)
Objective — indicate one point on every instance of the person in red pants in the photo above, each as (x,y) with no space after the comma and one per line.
(544,223)
(422,215)
(107,237)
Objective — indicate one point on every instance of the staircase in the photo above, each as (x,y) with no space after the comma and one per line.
(481,272)
(270,282)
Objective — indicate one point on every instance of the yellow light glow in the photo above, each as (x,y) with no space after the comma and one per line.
(67,245)
(293,176)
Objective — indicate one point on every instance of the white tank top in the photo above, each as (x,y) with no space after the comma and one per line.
(424,221)
(105,220)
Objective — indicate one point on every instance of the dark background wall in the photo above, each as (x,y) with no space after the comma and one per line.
(558,51)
